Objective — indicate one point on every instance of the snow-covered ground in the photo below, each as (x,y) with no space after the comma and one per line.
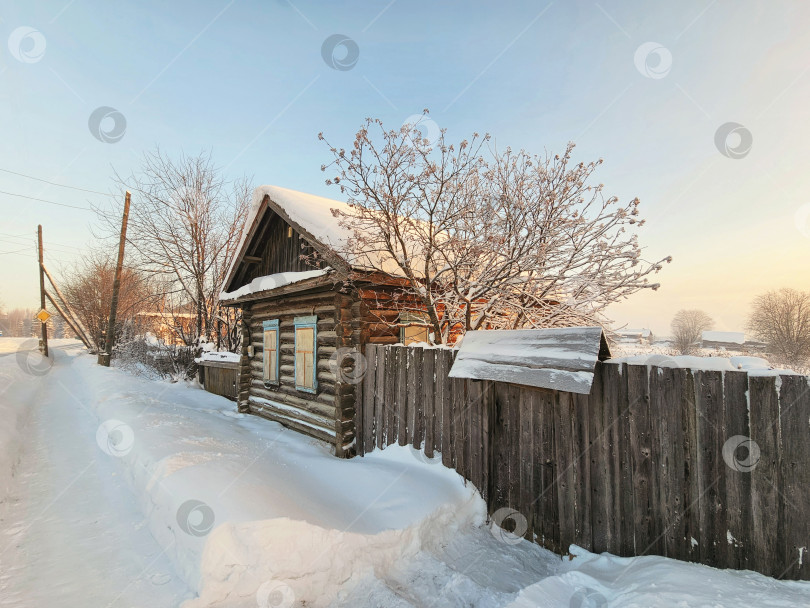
(120,491)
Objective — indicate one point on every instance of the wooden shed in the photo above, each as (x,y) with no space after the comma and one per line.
(307,313)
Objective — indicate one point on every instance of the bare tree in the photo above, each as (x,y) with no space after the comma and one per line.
(781,319)
(484,239)
(87,286)
(687,329)
(184,225)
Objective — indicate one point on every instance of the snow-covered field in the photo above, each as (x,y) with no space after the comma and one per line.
(120,491)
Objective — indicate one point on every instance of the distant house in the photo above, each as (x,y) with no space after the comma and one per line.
(634,336)
(168,327)
(306,310)
(729,340)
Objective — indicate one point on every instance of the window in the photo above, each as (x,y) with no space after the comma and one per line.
(306,332)
(411,334)
(270,351)
(414,327)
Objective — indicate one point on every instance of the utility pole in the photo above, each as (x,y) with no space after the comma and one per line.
(83,334)
(43,324)
(104,358)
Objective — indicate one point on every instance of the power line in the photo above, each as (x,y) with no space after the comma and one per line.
(42,200)
(51,244)
(39,179)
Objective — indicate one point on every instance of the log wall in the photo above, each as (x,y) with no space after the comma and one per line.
(327,414)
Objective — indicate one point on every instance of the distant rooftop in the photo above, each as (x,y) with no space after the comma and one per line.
(732,337)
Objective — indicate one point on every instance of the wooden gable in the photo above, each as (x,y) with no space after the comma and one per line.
(276,246)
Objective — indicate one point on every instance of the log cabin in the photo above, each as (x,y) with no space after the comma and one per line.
(307,311)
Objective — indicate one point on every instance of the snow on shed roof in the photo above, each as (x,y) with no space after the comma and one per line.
(562,359)
(733,337)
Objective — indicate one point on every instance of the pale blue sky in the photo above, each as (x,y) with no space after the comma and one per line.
(247,81)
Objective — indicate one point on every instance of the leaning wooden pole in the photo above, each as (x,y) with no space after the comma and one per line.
(83,334)
(43,324)
(67,319)
(104,358)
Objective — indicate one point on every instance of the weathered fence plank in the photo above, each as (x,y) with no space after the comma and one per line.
(443,395)
(794,397)
(691,487)
(428,390)
(545,506)
(566,493)
(765,474)
(601,482)
(638,408)
(398,419)
(474,413)
(526,459)
(381,353)
(738,484)
(367,406)
(711,469)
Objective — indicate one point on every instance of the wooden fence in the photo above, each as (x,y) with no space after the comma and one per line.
(705,466)
(220,378)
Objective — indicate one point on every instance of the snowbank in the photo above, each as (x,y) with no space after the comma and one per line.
(238,502)
(272,281)
(640,582)
(755,366)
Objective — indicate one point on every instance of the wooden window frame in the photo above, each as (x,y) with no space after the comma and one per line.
(308,322)
(271,325)
(403,326)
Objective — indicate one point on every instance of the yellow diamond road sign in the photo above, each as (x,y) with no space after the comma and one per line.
(43,316)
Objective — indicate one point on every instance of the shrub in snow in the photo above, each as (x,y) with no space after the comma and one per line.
(144,357)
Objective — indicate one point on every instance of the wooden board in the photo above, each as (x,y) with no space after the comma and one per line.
(766,500)
(794,399)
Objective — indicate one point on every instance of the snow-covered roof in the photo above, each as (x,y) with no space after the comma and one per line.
(218,357)
(733,337)
(314,218)
(643,333)
(562,359)
(272,281)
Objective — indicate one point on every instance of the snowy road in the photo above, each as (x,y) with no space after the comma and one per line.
(95,519)
(71,533)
